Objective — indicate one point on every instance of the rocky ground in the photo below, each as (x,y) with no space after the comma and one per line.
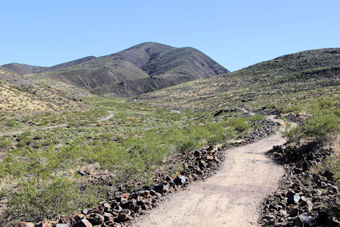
(306,196)
(123,207)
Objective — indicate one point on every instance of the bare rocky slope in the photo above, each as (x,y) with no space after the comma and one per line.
(142,68)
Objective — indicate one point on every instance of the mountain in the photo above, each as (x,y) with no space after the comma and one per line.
(22,68)
(30,69)
(304,75)
(69,64)
(142,68)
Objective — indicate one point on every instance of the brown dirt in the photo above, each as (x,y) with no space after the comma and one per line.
(232,197)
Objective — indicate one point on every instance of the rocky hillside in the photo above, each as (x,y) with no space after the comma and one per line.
(273,81)
(139,69)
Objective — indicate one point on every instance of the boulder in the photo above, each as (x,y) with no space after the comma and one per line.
(108,217)
(95,219)
(124,215)
(82,223)
(306,206)
(180,180)
(106,207)
(160,188)
(78,217)
(85,211)
(63,219)
(305,220)
(293,198)
(142,193)
(202,165)
(329,175)
(197,153)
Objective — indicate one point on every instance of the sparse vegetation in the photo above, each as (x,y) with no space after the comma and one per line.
(42,164)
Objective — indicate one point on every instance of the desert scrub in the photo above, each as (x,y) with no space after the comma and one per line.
(322,124)
(321,127)
(5,144)
(131,145)
(36,200)
(292,109)
(239,124)
(11,123)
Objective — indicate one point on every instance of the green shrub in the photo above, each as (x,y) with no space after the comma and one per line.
(35,201)
(292,109)
(293,135)
(257,117)
(322,126)
(37,145)
(5,143)
(186,144)
(47,142)
(21,144)
(11,123)
(239,124)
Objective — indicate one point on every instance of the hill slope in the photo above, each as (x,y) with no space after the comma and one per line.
(20,96)
(272,81)
(29,69)
(153,65)
(69,64)
(22,68)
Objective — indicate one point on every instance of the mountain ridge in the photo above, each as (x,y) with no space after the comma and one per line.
(145,61)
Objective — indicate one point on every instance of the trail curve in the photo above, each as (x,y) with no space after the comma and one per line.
(232,197)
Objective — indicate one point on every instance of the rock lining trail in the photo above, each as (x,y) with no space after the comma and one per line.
(232,197)
(111,115)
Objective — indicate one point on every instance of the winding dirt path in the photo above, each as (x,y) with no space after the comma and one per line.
(111,115)
(232,197)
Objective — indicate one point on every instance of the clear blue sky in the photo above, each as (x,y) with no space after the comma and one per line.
(234,33)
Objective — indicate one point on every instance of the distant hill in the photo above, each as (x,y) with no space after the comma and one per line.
(30,69)
(22,68)
(69,64)
(142,68)
(297,75)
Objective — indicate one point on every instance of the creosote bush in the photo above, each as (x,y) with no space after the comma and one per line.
(322,124)
(36,200)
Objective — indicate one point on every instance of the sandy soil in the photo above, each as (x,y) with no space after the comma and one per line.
(232,197)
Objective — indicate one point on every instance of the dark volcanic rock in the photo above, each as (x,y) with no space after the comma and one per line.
(305,220)
(310,195)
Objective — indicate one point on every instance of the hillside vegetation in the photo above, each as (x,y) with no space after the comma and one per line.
(60,170)
(273,84)
(23,103)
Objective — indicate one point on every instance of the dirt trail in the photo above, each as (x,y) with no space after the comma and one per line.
(231,197)
(111,114)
